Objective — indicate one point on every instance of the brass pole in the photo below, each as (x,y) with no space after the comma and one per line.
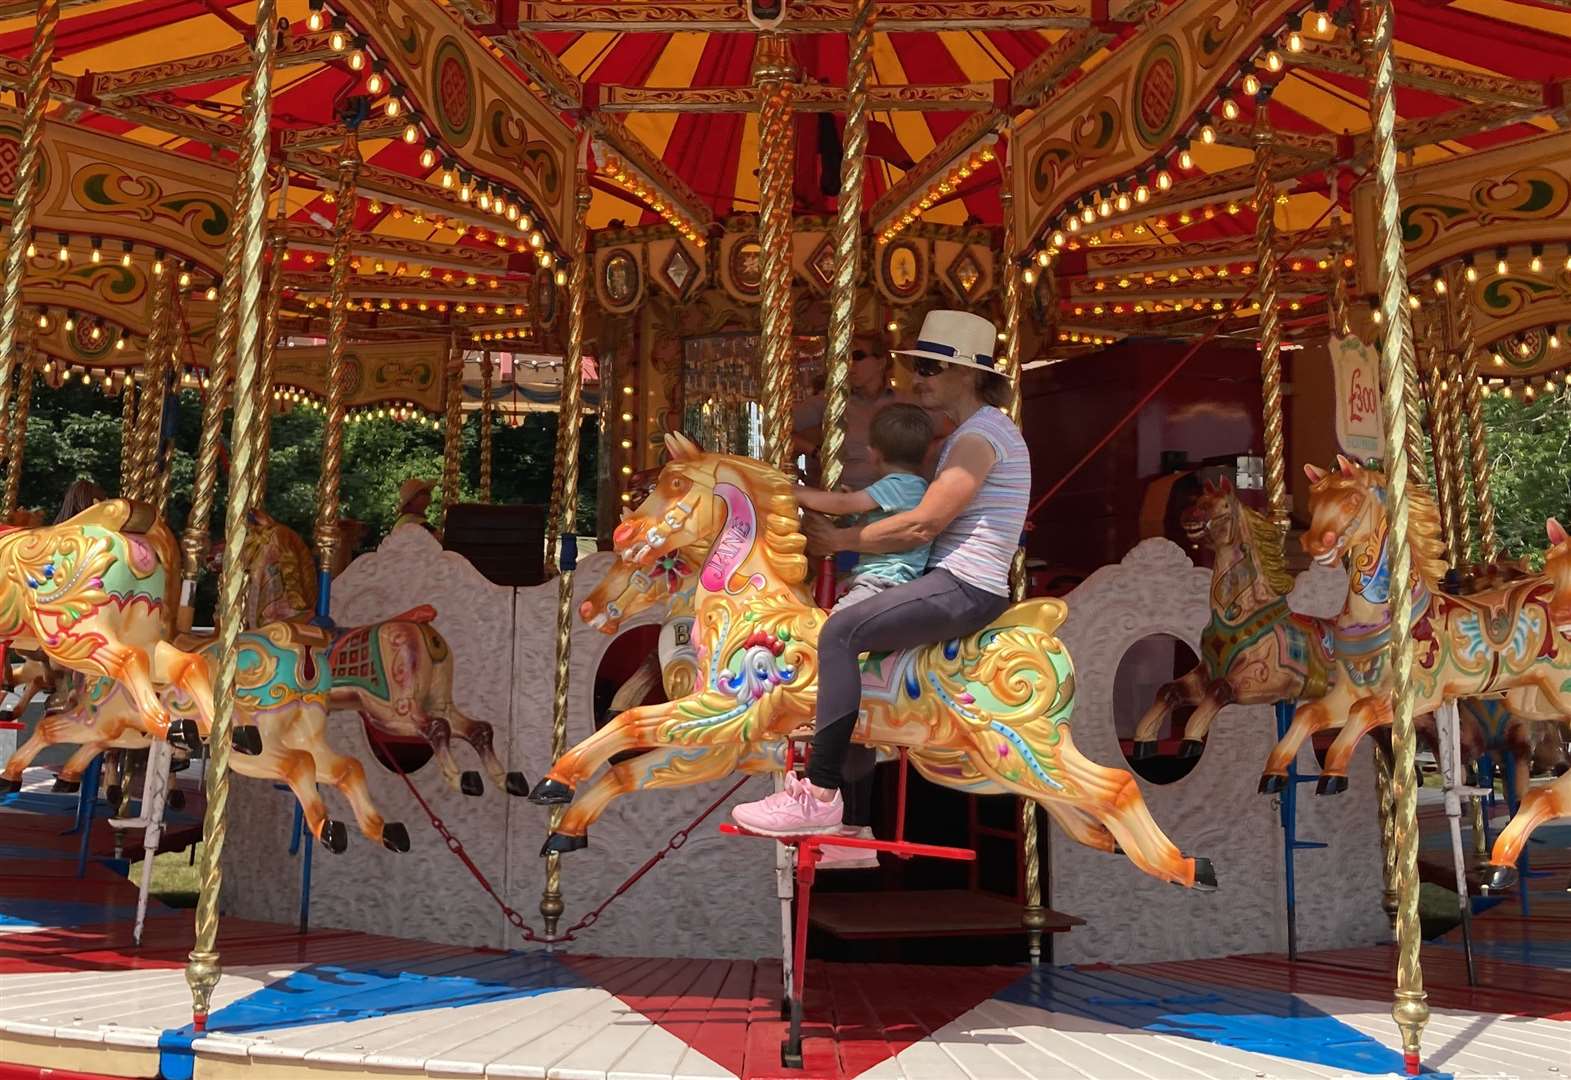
(1270,327)
(486,411)
(1441,391)
(1387,812)
(127,431)
(40,67)
(203,970)
(150,403)
(194,541)
(1340,327)
(568,425)
(1033,918)
(773,76)
(848,250)
(24,405)
(453,436)
(162,469)
(278,245)
(327,513)
(1456,437)
(1411,1008)
(1467,362)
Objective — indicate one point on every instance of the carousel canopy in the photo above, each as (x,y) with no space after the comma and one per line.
(1129,132)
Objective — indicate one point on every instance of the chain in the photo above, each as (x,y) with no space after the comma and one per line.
(527,932)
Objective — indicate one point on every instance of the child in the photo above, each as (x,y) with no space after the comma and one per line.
(898,440)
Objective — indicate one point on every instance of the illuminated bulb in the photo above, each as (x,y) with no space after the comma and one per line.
(1059,239)
(1028,276)
(1537,264)
(1207,134)
(1501,265)
(356,60)
(1088,215)
(447,179)
(560,277)
(1164,182)
(427,158)
(70,322)
(120,346)
(1123,199)
(315,21)
(64,254)
(1322,23)
(485,200)
(1230,109)
(525,222)
(411,134)
(1044,257)
(1273,61)
(1412,301)
(1440,286)
(629,389)
(1251,84)
(158,267)
(1105,207)
(392,107)
(337,41)
(536,239)
(1142,194)
(96,333)
(1185,161)
(96,257)
(1471,273)
(512,212)
(1295,41)
(547,260)
(1554,341)
(1074,225)
(185,279)
(375,84)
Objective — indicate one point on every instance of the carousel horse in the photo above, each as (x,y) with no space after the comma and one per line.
(1541,804)
(94,595)
(1501,641)
(398,673)
(988,712)
(1255,650)
(282,687)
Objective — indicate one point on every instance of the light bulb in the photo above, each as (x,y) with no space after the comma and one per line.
(1251,84)
(1207,134)
(337,41)
(447,179)
(356,60)
(560,277)
(1059,239)
(64,254)
(70,322)
(536,239)
(1044,257)
(315,21)
(1322,22)
(1105,208)
(1164,182)
(1537,264)
(1295,41)
(1440,286)
(427,158)
(1554,341)
(1230,109)
(1185,161)
(375,84)
(97,256)
(1273,61)
(392,107)
(1028,276)
(120,343)
(411,134)
(1142,194)
(1123,200)
(1501,266)
(32,249)
(1471,273)
(212,292)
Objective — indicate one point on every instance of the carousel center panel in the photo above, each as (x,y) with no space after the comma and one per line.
(1133,626)
(502,645)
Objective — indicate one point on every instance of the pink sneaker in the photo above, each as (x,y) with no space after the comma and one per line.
(841,857)
(792,811)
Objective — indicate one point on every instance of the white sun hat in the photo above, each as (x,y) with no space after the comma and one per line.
(956,337)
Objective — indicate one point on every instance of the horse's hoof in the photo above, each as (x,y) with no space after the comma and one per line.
(183,733)
(471,784)
(517,784)
(1142,749)
(1272,784)
(112,793)
(247,739)
(395,837)
(1205,875)
(1331,785)
(335,837)
(557,843)
(9,786)
(176,799)
(550,792)
(1498,879)
(179,764)
(1191,748)
(66,787)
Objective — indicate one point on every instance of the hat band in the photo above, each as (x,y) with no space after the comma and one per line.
(938,347)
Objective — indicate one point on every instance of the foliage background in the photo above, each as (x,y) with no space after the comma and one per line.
(74,432)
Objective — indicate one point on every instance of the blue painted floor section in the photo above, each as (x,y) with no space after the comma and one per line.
(1259,1021)
(15,911)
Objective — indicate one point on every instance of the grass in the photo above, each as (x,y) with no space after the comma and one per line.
(174,877)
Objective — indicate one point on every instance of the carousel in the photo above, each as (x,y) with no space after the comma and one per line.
(1254,272)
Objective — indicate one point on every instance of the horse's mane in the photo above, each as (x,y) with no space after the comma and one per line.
(782,534)
(1268,549)
(1424,536)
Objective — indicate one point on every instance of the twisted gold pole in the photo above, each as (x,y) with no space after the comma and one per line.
(773,75)
(203,970)
(163,469)
(569,423)
(40,67)
(24,405)
(327,512)
(1270,328)
(848,250)
(155,380)
(1033,918)
(1411,1008)
(194,541)
(278,244)
(1337,305)
(1441,393)
(486,411)
(127,431)
(453,436)
(1467,363)
(1456,438)
(1387,821)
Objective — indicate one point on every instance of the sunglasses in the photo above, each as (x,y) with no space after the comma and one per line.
(926,366)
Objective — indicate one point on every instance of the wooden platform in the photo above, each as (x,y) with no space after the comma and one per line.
(329,1004)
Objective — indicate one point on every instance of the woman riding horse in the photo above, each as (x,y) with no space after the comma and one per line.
(972,515)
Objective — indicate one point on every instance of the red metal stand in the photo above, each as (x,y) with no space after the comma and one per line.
(807,855)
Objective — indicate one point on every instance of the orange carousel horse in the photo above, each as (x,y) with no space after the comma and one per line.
(988,713)
(96,594)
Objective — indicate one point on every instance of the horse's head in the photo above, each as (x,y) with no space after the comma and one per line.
(1212,519)
(672,530)
(1346,505)
(627,590)
(1557,567)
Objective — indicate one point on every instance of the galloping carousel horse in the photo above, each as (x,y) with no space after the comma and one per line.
(1255,650)
(397,673)
(95,595)
(987,713)
(282,686)
(1501,641)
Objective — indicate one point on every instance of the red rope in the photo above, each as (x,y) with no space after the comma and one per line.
(1167,376)
(529,934)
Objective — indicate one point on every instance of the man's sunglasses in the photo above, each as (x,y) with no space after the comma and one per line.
(926,366)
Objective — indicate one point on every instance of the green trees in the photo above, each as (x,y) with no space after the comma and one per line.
(1530,456)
